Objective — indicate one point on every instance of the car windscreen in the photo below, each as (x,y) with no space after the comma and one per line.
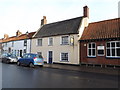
(39,56)
(13,56)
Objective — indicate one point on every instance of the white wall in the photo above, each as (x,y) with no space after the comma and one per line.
(18,45)
(57,49)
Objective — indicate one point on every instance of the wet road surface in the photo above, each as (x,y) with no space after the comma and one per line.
(14,76)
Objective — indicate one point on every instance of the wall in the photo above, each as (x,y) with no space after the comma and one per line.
(98,59)
(18,45)
(57,49)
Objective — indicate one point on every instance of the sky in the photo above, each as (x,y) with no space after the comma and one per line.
(26,15)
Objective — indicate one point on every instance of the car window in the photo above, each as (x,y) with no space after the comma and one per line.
(25,56)
(29,56)
(13,56)
(39,56)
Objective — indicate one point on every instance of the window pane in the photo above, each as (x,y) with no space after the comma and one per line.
(118,44)
(65,40)
(93,52)
(113,44)
(89,50)
(39,42)
(50,41)
(108,52)
(93,45)
(108,45)
(113,52)
(89,45)
(64,56)
(118,51)
(101,52)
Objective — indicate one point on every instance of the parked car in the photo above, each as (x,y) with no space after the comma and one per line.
(31,60)
(9,58)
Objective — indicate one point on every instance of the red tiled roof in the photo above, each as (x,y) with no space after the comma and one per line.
(102,30)
(15,38)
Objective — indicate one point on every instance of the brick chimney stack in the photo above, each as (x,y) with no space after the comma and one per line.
(6,36)
(43,21)
(86,11)
(18,33)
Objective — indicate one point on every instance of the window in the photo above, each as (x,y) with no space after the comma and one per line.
(24,50)
(64,56)
(25,42)
(6,44)
(13,44)
(39,53)
(113,49)
(39,42)
(50,41)
(64,40)
(91,50)
(18,53)
(100,50)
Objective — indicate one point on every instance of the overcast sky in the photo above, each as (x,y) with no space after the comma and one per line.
(26,15)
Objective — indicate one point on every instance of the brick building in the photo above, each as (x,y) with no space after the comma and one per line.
(100,43)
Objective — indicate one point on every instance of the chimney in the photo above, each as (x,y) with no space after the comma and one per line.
(18,33)
(86,11)
(43,21)
(6,36)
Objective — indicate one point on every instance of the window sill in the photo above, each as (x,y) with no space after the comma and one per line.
(64,44)
(91,56)
(63,61)
(50,45)
(39,46)
(113,57)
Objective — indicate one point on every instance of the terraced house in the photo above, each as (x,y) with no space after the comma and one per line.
(100,43)
(58,42)
(19,44)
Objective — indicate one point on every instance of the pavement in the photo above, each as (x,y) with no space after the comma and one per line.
(96,69)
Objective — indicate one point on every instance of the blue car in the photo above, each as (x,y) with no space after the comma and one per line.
(31,60)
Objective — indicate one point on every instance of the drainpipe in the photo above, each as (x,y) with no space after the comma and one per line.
(30,45)
(80,52)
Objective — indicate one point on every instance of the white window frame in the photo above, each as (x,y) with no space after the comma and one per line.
(37,42)
(61,40)
(49,41)
(61,57)
(91,49)
(111,49)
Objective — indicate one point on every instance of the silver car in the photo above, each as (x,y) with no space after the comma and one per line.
(9,58)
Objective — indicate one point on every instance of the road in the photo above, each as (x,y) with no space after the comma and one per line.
(14,76)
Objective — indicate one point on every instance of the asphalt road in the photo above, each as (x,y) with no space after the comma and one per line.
(14,76)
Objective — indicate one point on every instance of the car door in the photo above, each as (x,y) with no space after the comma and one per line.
(22,60)
(26,60)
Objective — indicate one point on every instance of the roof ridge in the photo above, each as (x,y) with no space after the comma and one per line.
(64,20)
(104,20)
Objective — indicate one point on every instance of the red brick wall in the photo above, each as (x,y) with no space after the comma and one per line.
(97,59)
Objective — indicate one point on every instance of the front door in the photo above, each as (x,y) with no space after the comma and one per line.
(50,56)
(20,53)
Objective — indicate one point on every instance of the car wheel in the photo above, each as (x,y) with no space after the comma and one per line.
(31,65)
(18,63)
